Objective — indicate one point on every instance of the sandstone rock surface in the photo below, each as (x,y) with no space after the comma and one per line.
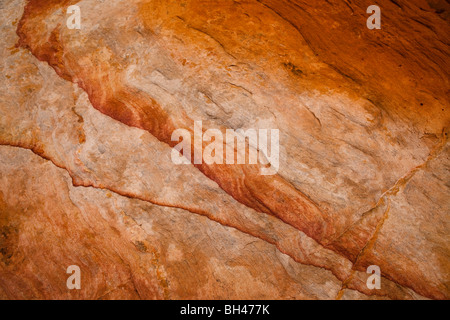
(87,179)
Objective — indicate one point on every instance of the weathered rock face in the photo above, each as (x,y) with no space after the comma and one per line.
(87,179)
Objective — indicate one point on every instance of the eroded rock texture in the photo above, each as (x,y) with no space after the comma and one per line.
(86,176)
